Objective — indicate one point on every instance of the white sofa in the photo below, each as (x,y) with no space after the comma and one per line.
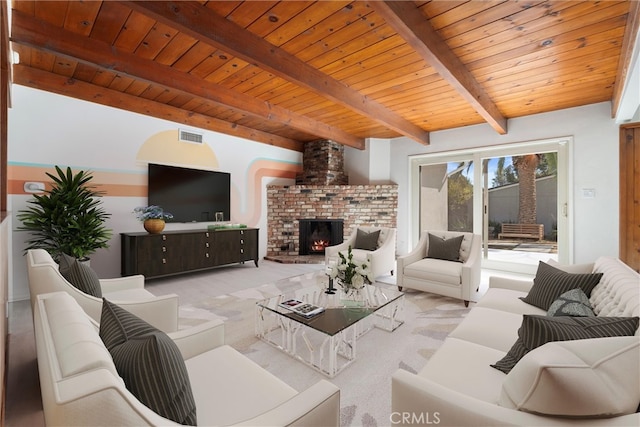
(458,387)
(382,260)
(80,385)
(128,292)
(449,278)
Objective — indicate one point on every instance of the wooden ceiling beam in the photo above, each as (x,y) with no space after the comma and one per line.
(204,24)
(409,22)
(43,80)
(630,36)
(34,33)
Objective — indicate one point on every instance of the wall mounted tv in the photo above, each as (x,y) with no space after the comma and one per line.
(191,195)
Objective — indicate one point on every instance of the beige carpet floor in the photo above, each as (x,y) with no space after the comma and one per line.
(225,293)
(365,385)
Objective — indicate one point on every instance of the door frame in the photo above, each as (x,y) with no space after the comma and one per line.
(564,147)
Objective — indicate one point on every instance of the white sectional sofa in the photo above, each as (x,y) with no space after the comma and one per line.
(458,387)
(80,385)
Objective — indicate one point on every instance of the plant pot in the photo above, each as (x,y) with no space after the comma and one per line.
(153,226)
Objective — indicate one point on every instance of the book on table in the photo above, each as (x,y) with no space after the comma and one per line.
(302,308)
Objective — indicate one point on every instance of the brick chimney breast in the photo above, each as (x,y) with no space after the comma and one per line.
(322,164)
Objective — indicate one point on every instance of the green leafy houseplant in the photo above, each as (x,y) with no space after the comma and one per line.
(68,218)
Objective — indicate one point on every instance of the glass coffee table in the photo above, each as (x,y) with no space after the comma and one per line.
(326,341)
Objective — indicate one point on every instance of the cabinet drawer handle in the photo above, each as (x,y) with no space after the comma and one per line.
(206,245)
(206,255)
(164,261)
(241,231)
(242,241)
(241,251)
(164,237)
(206,234)
(164,249)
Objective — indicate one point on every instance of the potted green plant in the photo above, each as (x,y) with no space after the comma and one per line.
(68,218)
(153,218)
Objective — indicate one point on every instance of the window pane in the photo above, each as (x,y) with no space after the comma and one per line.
(522,201)
(446,196)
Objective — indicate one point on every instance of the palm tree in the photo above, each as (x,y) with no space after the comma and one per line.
(526,166)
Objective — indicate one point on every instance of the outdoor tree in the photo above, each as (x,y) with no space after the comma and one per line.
(460,192)
(526,167)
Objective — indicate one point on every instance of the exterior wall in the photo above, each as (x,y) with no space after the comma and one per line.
(374,205)
(503,203)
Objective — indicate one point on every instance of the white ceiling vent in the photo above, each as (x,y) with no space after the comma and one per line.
(188,136)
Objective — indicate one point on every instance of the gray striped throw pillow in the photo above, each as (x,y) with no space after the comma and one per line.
(551,282)
(150,364)
(539,330)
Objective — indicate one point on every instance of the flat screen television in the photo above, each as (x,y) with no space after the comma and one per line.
(191,195)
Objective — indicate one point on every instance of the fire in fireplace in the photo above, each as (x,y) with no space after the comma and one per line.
(317,234)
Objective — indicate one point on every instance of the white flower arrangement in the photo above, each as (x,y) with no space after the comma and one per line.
(350,276)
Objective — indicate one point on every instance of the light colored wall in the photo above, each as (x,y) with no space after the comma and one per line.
(371,165)
(594,164)
(47,129)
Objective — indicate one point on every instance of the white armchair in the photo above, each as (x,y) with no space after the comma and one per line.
(382,260)
(456,279)
(127,292)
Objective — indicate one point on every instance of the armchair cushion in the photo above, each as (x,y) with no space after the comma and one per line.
(551,282)
(80,275)
(446,249)
(367,241)
(150,364)
(538,330)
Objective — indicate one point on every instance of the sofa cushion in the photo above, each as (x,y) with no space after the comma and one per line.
(551,282)
(572,268)
(150,364)
(491,328)
(367,241)
(538,330)
(248,391)
(508,300)
(436,270)
(572,303)
(80,275)
(584,378)
(464,367)
(77,344)
(446,249)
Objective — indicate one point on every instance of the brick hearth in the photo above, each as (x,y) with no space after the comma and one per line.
(375,205)
(321,193)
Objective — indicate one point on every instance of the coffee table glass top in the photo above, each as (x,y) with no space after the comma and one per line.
(340,312)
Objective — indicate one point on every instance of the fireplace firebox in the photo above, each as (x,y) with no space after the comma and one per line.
(317,234)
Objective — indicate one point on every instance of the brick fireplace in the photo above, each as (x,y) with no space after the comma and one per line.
(321,193)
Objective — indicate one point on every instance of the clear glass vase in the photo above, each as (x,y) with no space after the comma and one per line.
(351,297)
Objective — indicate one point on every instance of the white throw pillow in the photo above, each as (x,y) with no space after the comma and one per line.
(580,378)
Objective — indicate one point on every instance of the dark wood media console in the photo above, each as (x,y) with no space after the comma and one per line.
(175,252)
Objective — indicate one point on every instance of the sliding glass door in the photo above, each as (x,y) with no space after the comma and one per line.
(514,196)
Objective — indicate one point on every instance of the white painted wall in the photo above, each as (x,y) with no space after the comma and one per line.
(594,165)
(47,129)
(371,165)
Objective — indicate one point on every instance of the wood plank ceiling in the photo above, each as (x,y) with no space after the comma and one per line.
(288,72)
